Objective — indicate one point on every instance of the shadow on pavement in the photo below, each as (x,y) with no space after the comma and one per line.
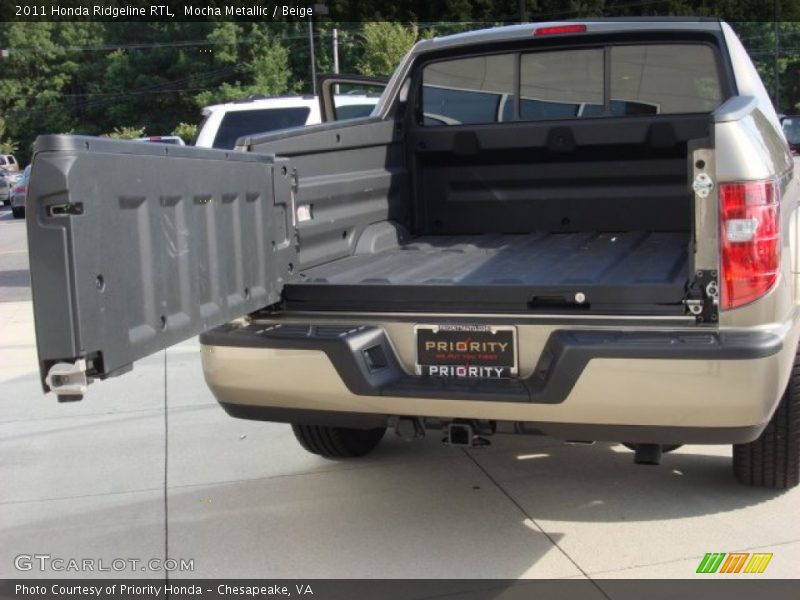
(601,482)
(16,278)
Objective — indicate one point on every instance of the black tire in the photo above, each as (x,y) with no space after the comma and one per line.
(664,448)
(337,442)
(773,459)
(18,212)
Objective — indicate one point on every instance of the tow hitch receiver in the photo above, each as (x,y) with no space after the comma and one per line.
(647,454)
(465,435)
(459,434)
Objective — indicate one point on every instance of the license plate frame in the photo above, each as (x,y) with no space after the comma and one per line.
(462,359)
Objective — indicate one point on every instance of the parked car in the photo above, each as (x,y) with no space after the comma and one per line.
(8,162)
(223,124)
(594,238)
(19,192)
(163,139)
(791,129)
(7,181)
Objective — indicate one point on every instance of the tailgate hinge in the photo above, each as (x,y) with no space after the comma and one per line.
(702,297)
(68,381)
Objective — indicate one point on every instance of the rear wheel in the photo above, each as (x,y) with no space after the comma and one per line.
(773,459)
(18,212)
(337,442)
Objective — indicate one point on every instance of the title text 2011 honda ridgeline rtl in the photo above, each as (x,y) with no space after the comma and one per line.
(586,230)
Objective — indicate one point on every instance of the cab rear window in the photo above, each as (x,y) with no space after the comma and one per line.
(239,123)
(619,81)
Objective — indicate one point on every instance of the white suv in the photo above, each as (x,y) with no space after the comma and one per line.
(225,123)
(8,162)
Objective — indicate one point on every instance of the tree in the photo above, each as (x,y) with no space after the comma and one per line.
(95,77)
(7,146)
(125,133)
(255,57)
(186,131)
(385,44)
(43,77)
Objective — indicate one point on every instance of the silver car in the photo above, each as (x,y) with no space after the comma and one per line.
(18,194)
(7,181)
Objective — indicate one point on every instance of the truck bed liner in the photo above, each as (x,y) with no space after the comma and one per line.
(504,272)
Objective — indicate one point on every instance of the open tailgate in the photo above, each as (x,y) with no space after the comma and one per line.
(135,247)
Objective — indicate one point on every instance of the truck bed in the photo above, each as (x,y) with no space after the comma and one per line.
(630,272)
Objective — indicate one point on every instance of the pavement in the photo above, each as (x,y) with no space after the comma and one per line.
(148,466)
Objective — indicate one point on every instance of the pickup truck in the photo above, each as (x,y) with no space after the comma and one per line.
(584,230)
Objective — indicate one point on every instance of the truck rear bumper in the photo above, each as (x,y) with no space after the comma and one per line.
(660,386)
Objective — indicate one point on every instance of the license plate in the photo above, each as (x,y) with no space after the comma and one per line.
(466,351)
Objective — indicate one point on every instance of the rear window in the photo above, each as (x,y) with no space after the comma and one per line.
(468,90)
(669,78)
(643,79)
(561,85)
(353,111)
(236,124)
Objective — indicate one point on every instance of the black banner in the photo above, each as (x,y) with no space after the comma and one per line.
(421,11)
(349,589)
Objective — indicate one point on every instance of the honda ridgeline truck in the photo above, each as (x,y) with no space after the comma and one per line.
(585,230)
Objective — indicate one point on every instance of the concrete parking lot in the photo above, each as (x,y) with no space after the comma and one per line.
(148,465)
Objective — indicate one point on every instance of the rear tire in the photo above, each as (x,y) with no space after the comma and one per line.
(18,212)
(337,442)
(773,459)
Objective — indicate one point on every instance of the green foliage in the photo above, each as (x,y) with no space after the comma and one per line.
(385,44)
(186,131)
(7,146)
(759,39)
(125,133)
(261,67)
(91,78)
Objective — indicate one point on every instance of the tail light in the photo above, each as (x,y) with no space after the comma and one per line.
(750,232)
(21,190)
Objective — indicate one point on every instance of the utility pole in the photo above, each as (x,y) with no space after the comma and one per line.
(311,50)
(335,50)
(317,9)
(523,16)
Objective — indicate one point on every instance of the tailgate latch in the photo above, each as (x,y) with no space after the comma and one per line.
(695,306)
(68,381)
(64,210)
(702,185)
(702,297)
